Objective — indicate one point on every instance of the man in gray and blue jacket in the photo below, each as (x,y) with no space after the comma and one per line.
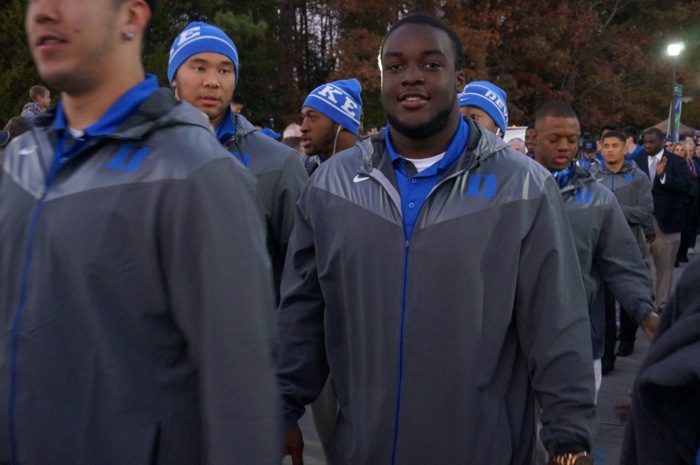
(428,273)
(606,249)
(632,190)
(135,287)
(203,70)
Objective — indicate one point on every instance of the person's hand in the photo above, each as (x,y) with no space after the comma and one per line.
(650,238)
(661,167)
(649,325)
(294,444)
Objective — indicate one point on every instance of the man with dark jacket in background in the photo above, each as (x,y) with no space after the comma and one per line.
(203,70)
(428,273)
(606,249)
(135,288)
(330,119)
(670,184)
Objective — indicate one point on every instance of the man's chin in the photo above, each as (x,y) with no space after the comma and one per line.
(419,130)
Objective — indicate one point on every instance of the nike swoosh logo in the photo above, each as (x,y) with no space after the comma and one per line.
(27,150)
(360,179)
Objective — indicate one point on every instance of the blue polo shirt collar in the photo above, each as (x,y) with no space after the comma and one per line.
(454,151)
(226,128)
(117,113)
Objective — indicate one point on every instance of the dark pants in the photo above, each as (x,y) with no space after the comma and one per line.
(610,327)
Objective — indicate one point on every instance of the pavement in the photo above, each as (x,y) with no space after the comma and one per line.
(613,391)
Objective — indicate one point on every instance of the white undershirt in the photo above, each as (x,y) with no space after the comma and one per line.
(424,163)
(75,133)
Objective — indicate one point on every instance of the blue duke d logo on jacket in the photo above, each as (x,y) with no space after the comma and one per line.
(481,185)
(128,158)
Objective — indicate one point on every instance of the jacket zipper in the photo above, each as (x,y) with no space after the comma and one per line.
(404,292)
(56,166)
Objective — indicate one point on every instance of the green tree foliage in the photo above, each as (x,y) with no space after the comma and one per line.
(17,74)
(606,57)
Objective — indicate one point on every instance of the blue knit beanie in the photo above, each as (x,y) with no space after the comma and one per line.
(340,101)
(200,37)
(489,98)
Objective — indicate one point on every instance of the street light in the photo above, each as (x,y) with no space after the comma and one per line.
(673,51)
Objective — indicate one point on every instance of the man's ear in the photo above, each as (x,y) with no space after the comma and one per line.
(138,16)
(461,81)
(174,84)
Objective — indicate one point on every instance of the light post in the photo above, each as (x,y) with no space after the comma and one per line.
(674,114)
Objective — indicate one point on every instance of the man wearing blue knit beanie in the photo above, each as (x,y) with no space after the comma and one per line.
(330,120)
(203,70)
(485,103)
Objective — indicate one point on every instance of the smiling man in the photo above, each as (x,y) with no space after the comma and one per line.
(203,70)
(330,121)
(428,273)
(135,287)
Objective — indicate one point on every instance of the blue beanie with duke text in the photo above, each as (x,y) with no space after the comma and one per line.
(489,98)
(200,37)
(340,101)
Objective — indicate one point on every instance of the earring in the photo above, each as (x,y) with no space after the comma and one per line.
(127,36)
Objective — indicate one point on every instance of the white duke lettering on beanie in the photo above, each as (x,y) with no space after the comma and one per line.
(186,36)
(348,106)
(496,99)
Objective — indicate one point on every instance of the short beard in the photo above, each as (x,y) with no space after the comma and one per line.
(430,129)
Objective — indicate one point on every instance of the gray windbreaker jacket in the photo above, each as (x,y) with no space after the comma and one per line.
(133,294)
(632,189)
(607,252)
(281,177)
(438,346)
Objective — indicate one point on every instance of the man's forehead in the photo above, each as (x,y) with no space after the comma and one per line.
(210,58)
(310,111)
(553,123)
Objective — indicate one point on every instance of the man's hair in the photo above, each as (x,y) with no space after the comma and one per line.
(425,20)
(608,127)
(554,109)
(655,131)
(37,91)
(631,131)
(617,134)
(518,141)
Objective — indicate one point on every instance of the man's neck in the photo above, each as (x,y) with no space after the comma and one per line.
(614,167)
(215,123)
(425,148)
(83,109)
